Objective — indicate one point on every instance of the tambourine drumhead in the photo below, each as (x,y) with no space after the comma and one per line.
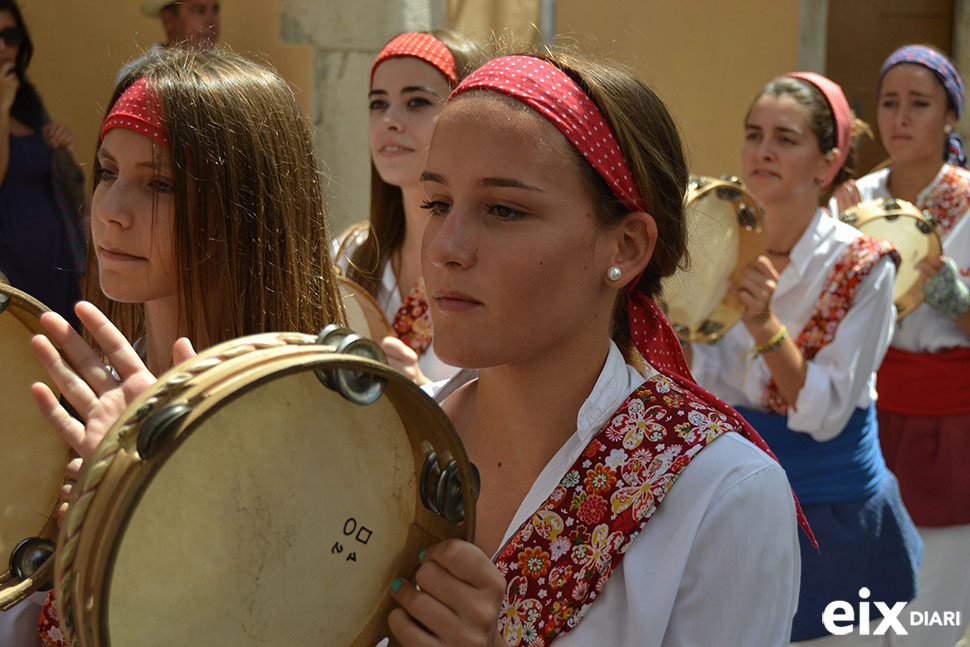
(915,236)
(725,226)
(33,456)
(364,315)
(272,511)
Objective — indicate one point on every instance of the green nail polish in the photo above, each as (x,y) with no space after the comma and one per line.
(395,585)
(421,555)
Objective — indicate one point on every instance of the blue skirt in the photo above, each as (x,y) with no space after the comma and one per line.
(868,543)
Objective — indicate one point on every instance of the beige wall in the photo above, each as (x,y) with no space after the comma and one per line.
(705,58)
(80,46)
(705,61)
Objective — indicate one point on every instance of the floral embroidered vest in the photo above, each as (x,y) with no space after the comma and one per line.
(857,260)
(412,322)
(949,199)
(558,561)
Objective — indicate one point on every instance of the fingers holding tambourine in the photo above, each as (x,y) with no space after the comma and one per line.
(456,601)
(757,285)
(846,195)
(403,359)
(71,472)
(930,267)
(182,351)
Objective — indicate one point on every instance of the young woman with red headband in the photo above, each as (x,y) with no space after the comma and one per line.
(207,224)
(924,408)
(410,80)
(801,368)
(620,503)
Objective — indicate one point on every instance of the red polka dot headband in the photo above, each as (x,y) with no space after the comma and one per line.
(841,113)
(549,91)
(426,47)
(139,109)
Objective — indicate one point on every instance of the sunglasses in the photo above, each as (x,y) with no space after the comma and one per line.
(12,35)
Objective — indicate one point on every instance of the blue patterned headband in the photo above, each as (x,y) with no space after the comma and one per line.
(937,62)
(941,66)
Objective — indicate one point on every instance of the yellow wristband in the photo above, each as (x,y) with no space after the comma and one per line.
(772,343)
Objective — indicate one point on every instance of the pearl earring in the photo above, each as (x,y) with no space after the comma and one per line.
(614,273)
(948,129)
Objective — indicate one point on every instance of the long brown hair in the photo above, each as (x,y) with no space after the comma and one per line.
(386,227)
(250,236)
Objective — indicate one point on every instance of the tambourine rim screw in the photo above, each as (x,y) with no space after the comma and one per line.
(17,556)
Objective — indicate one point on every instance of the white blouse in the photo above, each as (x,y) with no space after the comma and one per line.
(841,377)
(925,330)
(717,564)
(390,301)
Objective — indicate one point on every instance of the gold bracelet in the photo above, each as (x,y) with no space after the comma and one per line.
(772,343)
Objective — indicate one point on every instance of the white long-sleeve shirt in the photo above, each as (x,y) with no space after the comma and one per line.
(717,564)
(842,376)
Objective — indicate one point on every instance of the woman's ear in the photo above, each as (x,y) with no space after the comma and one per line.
(826,165)
(950,119)
(635,241)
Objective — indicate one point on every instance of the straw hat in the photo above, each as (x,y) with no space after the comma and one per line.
(154,7)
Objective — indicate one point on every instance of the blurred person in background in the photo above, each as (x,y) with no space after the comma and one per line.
(187,23)
(924,411)
(411,79)
(41,187)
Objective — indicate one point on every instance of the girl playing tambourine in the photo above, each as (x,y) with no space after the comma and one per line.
(819,317)
(207,224)
(620,504)
(924,408)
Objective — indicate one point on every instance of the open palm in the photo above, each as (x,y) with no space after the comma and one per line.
(99,394)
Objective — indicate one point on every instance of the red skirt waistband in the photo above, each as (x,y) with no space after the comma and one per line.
(925,384)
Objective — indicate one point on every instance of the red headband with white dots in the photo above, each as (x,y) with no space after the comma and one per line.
(552,93)
(426,47)
(138,109)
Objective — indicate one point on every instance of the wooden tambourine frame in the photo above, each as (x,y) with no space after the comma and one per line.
(33,459)
(720,245)
(297,577)
(915,235)
(364,314)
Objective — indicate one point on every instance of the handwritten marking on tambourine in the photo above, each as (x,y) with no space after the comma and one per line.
(363,535)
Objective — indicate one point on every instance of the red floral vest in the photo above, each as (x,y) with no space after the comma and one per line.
(412,322)
(949,199)
(857,260)
(558,561)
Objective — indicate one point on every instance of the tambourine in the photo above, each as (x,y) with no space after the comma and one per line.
(914,233)
(266,492)
(725,232)
(364,314)
(33,457)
